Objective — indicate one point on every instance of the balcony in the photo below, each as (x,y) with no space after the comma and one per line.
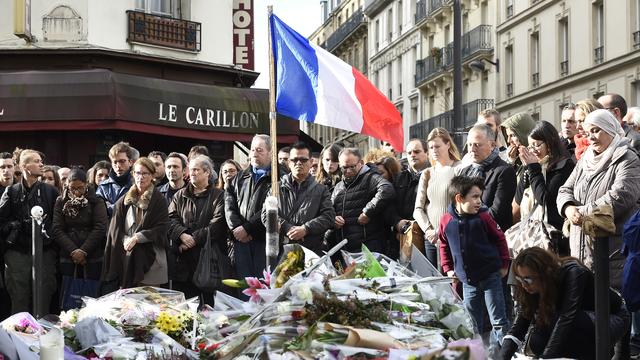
(421,11)
(564,68)
(163,31)
(598,55)
(509,89)
(535,80)
(425,68)
(435,6)
(345,30)
(470,113)
(636,39)
(473,42)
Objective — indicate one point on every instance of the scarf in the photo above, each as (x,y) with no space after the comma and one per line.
(72,206)
(478,169)
(123,180)
(595,163)
(259,173)
(581,145)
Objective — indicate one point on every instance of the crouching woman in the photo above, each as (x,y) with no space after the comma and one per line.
(557,306)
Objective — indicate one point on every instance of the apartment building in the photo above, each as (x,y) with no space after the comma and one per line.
(553,52)
(434,65)
(343,33)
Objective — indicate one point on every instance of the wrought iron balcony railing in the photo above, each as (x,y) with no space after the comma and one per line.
(421,11)
(636,39)
(163,31)
(598,55)
(470,113)
(435,5)
(345,30)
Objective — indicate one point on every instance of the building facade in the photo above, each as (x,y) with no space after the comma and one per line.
(555,52)
(344,34)
(434,66)
(77,76)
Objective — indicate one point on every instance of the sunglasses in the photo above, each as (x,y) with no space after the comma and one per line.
(525,280)
(300,160)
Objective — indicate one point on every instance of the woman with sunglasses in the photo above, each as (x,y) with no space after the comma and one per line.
(79,228)
(556,312)
(547,166)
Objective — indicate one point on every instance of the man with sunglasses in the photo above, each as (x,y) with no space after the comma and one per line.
(359,201)
(122,157)
(304,206)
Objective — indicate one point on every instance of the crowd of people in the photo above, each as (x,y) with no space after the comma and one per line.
(143,220)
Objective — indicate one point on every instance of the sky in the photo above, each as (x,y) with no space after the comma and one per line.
(301,15)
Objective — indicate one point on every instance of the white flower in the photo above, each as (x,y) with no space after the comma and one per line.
(221,320)
(243,357)
(303,292)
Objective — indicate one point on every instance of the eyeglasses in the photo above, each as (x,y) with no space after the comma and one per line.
(348,167)
(536,146)
(525,280)
(141,173)
(300,160)
(76,189)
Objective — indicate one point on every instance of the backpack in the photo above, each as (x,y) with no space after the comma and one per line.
(631,271)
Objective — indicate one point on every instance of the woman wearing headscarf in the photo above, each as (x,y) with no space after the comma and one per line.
(517,129)
(607,173)
(135,254)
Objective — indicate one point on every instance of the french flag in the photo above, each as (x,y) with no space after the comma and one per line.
(315,86)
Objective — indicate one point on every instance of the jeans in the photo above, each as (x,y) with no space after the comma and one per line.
(431,253)
(487,292)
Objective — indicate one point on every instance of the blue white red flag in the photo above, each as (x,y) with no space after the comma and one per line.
(315,86)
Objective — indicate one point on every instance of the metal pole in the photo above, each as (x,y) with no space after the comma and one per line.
(36,265)
(457,67)
(601,270)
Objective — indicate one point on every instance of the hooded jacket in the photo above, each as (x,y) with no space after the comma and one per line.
(114,188)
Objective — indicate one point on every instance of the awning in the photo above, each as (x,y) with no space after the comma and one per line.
(101,99)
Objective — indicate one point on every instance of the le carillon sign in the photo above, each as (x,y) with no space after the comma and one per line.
(105,95)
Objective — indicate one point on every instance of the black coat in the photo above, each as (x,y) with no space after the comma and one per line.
(15,211)
(500,187)
(87,231)
(575,293)
(243,201)
(208,223)
(368,193)
(406,188)
(310,207)
(546,191)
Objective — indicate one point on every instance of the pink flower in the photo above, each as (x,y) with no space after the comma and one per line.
(267,276)
(252,293)
(254,283)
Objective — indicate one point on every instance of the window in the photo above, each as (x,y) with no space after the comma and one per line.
(389,24)
(509,8)
(399,76)
(390,79)
(508,76)
(563,41)
(636,33)
(377,35)
(400,20)
(535,59)
(598,19)
(159,7)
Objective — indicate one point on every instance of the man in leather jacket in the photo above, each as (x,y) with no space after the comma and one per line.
(244,199)
(305,208)
(122,157)
(15,222)
(359,201)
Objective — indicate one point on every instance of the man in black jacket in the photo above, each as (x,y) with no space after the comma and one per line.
(15,222)
(359,201)
(305,208)
(499,177)
(243,200)
(406,188)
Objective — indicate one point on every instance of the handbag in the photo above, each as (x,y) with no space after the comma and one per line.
(212,268)
(74,288)
(532,232)
(410,236)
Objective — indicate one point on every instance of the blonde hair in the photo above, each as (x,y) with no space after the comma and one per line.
(375,155)
(444,135)
(588,105)
(27,155)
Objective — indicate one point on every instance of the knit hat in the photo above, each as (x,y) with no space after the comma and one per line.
(521,124)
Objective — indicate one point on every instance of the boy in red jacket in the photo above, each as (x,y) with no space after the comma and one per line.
(473,248)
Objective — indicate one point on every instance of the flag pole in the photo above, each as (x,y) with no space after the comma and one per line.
(272,113)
